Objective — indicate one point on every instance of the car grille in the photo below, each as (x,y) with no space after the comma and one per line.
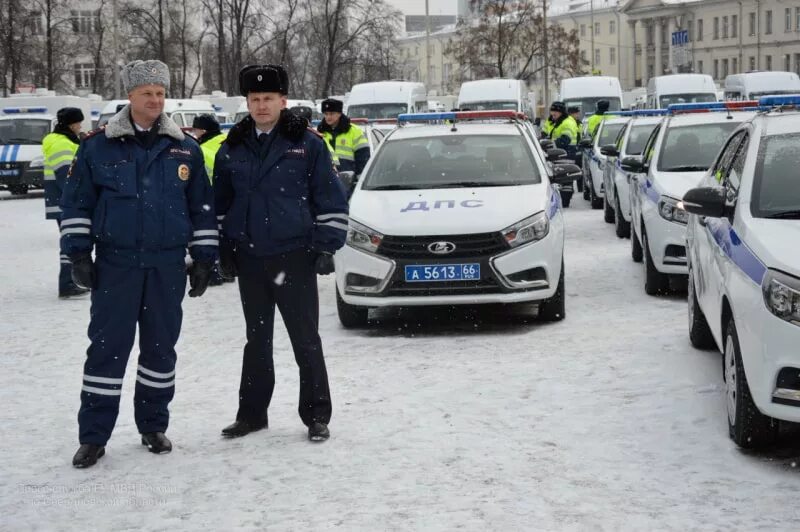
(467,246)
(399,287)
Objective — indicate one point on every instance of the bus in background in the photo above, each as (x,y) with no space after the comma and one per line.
(386,99)
(584,92)
(754,85)
(663,91)
(495,95)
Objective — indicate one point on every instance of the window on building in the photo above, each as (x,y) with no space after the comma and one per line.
(446,73)
(787,63)
(612,27)
(797,19)
(768,61)
(596,58)
(716,28)
(724,69)
(797,63)
(751,24)
(583,56)
(85,21)
(84,75)
(583,30)
(612,56)
(699,29)
(724,27)
(752,63)
(699,67)
(597,28)
(768,17)
(788,19)
(734,65)
(735,26)
(716,68)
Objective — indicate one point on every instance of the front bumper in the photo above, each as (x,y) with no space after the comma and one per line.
(667,241)
(24,175)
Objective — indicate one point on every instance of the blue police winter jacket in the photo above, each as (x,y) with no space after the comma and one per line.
(289,199)
(140,207)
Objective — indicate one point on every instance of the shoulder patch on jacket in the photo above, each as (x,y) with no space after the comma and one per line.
(315,132)
(94,132)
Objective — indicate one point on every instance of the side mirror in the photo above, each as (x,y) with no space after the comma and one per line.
(633,164)
(705,201)
(565,174)
(348,179)
(609,150)
(586,143)
(555,154)
(547,144)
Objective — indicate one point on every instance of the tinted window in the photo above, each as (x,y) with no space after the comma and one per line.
(490,106)
(377,110)
(589,105)
(776,190)
(452,161)
(693,148)
(638,138)
(609,134)
(669,99)
(23,131)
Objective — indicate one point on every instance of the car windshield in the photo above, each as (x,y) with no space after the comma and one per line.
(377,110)
(452,161)
(669,99)
(240,115)
(608,134)
(638,138)
(693,148)
(776,188)
(23,130)
(499,105)
(589,105)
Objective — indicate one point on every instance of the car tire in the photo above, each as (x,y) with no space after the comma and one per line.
(18,190)
(621,228)
(586,186)
(597,203)
(566,199)
(554,309)
(699,332)
(579,184)
(747,426)
(636,247)
(655,282)
(608,212)
(351,316)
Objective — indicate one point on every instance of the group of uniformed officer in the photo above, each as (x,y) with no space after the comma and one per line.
(265,201)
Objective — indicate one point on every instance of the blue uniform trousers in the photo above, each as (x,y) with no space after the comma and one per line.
(65,270)
(123,297)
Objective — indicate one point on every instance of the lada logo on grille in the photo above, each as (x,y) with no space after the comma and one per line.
(441,248)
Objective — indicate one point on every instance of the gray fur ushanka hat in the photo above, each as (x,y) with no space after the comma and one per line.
(150,72)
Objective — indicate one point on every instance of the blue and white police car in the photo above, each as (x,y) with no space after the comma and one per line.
(616,181)
(744,270)
(676,157)
(21,159)
(461,211)
(594,160)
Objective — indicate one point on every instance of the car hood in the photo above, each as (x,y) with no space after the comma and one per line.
(773,242)
(676,184)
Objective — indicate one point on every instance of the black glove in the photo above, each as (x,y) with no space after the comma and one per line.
(199,276)
(83,273)
(324,264)
(227,259)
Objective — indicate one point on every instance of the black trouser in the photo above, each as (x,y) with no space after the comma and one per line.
(290,282)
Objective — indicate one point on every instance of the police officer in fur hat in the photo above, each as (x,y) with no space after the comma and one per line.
(347,139)
(283,214)
(138,195)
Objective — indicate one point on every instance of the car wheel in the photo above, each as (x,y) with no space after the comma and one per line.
(699,331)
(608,212)
(554,309)
(655,282)
(351,316)
(18,190)
(747,426)
(586,186)
(566,198)
(636,248)
(621,227)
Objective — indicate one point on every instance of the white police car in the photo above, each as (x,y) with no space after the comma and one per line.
(21,159)
(744,271)
(594,161)
(677,155)
(459,212)
(616,181)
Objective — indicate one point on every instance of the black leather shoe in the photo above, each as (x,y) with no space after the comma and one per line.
(318,431)
(87,455)
(242,427)
(157,442)
(72,291)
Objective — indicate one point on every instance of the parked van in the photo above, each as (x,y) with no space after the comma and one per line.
(386,99)
(584,92)
(182,111)
(663,91)
(315,114)
(495,94)
(753,85)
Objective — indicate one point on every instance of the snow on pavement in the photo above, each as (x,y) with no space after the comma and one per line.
(443,420)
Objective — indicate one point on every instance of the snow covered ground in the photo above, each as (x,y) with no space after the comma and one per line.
(608,420)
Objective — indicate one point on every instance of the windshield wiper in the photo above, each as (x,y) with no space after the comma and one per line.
(20,140)
(467,184)
(787,215)
(395,187)
(685,168)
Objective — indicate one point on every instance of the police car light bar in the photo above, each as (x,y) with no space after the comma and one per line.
(638,112)
(21,110)
(458,115)
(704,107)
(780,100)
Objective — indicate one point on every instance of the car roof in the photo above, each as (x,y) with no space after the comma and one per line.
(463,128)
(41,116)
(780,122)
(698,119)
(616,120)
(646,121)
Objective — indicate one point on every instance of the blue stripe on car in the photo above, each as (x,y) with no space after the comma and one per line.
(14,152)
(4,153)
(648,190)
(733,246)
(552,207)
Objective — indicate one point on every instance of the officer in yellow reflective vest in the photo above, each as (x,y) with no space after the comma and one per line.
(565,136)
(58,149)
(599,115)
(208,134)
(347,140)
(307,114)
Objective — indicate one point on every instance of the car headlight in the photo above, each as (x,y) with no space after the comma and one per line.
(669,209)
(528,230)
(37,162)
(782,295)
(362,237)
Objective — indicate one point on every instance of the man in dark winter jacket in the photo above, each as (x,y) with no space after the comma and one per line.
(58,149)
(347,140)
(138,194)
(283,214)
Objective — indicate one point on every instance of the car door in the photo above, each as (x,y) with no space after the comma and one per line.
(636,182)
(609,169)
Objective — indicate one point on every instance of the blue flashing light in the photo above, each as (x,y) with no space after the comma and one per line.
(95,112)
(459,115)
(779,100)
(702,107)
(425,117)
(217,107)
(23,110)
